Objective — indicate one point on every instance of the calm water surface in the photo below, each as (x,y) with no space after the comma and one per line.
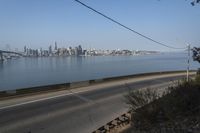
(29,72)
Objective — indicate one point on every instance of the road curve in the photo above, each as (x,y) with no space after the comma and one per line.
(80,110)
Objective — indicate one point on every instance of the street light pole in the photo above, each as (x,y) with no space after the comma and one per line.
(188,67)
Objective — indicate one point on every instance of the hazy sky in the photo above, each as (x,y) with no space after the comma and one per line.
(39,23)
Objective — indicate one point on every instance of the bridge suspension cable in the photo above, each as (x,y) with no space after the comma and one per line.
(126,27)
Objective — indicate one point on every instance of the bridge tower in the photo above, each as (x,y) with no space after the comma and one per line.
(1,56)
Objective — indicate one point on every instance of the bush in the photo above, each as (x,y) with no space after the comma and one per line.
(177,108)
(198,71)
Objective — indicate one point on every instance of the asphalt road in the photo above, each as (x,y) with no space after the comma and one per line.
(80,112)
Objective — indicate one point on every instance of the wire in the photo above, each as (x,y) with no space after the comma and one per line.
(144,36)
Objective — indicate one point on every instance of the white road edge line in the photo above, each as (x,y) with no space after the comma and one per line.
(42,99)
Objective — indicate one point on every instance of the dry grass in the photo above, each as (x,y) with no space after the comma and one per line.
(177,110)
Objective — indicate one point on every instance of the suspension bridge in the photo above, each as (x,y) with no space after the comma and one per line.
(4,53)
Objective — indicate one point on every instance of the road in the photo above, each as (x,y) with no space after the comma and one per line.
(80,110)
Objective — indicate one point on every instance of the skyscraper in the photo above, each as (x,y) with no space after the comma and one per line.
(56,48)
(76,51)
(50,50)
(41,52)
(80,51)
(24,49)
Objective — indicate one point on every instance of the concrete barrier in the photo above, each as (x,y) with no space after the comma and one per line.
(79,84)
(11,92)
(57,87)
(99,80)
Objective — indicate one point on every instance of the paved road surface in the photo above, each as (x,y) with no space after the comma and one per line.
(77,111)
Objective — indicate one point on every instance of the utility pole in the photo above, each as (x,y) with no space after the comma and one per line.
(188,67)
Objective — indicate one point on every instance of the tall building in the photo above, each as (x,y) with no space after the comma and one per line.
(76,51)
(56,48)
(80,51)
(70,50)
(50,50)
(24,49)
(41,52)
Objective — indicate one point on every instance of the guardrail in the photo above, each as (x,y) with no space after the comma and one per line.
(116,124)
(72,85)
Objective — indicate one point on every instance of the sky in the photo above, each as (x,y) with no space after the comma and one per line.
(39,23)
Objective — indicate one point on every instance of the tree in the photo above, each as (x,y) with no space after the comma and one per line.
(195,2)
(196,54)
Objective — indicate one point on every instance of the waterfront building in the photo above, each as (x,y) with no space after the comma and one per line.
(41,53)
(80,51)
(56,47)
(25,49)
(70,50)
(76,51)
(50,50)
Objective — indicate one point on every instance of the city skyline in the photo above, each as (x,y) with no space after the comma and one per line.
(8,47)
(55,50)
(40,23)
